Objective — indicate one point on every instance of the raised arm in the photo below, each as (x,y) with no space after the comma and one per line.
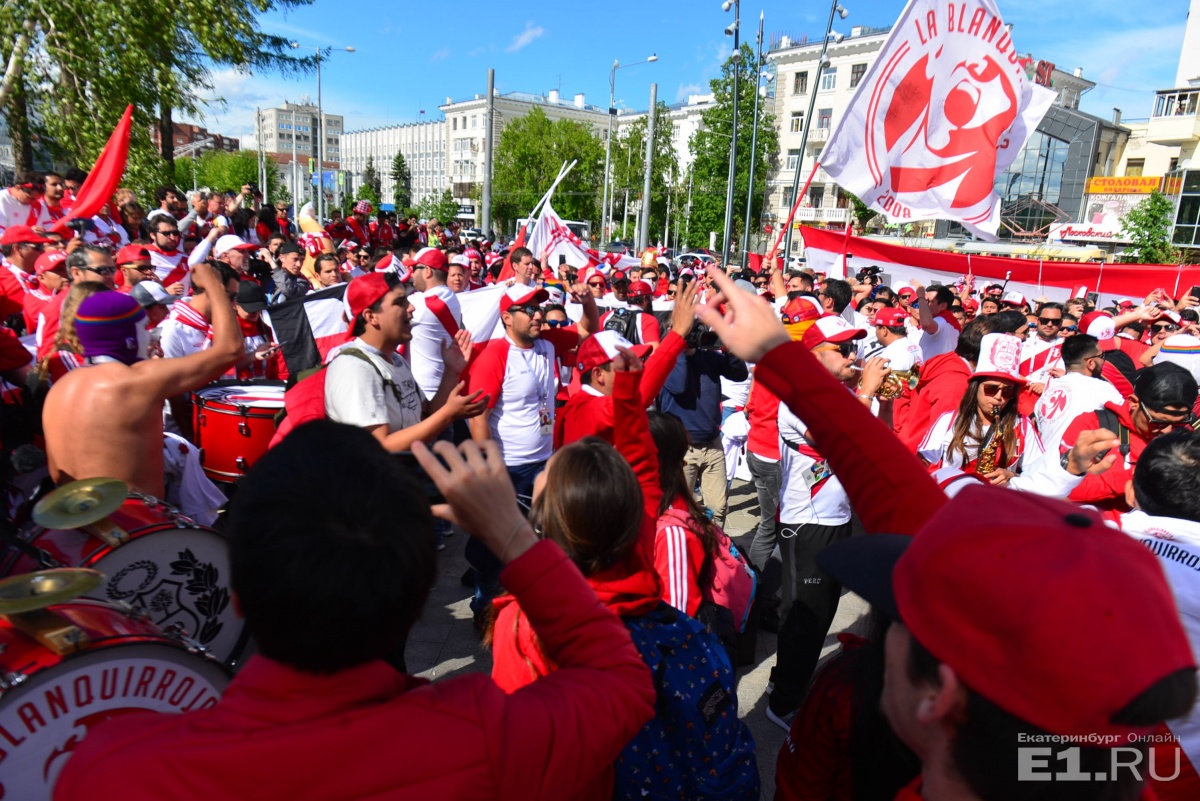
(631,429)
(666,354)
(169,377)
(886,483)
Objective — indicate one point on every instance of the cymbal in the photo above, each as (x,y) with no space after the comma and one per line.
(80,503)
(30,591)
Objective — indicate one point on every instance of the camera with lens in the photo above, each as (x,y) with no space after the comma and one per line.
(702,337)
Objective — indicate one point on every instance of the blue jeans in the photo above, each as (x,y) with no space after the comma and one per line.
(487,566)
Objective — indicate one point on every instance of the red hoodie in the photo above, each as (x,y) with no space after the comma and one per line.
(943,381)
(628,588)
(1106,491)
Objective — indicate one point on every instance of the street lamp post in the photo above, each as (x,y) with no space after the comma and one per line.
(753,147)
(822,62)
(320,127)
(605,211)
(733,31)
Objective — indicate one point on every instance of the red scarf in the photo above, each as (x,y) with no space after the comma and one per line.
(949,317)
(183,312)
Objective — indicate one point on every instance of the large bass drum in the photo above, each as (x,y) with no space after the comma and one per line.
(155,559)
(234,423)
(72,665)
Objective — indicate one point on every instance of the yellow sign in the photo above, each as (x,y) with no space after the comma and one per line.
(1139,185)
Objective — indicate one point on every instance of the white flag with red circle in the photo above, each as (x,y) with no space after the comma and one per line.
(941,113)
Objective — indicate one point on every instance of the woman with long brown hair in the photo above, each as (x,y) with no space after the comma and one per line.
(987,434)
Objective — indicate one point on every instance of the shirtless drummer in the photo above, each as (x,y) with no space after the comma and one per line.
(106,420)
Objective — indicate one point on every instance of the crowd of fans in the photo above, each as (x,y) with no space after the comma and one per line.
(1025,472)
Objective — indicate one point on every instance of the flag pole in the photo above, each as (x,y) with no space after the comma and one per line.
(562,173)
(770,257)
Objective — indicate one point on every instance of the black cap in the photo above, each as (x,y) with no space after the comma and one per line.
(864,565)
(290,247)
(251,297)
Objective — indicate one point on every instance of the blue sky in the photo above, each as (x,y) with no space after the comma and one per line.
(410,58)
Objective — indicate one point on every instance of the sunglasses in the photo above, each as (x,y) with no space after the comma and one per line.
(1033,325)
(1050,321)
(104,271)
(174,232)
(530,309)
(1155,424)
(1164,327)
(141,268)
(998,389)
(556,323)
(760,283)
(1070,329)
(844,348)
(597,283)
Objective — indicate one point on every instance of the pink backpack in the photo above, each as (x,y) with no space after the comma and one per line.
(734,581)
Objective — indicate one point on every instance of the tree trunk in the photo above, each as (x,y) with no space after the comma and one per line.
(166,134)
(16,114)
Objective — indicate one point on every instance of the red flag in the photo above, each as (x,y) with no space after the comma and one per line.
(103,179)
(507,271)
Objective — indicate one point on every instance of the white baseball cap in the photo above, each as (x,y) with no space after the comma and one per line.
(230,242)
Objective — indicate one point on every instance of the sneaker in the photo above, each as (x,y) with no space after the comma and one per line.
(770,687)
(441,546)
(782,721)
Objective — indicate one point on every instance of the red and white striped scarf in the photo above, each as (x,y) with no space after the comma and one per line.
(183,313)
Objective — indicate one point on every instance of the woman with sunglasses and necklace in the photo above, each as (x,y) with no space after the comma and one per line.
(987,434)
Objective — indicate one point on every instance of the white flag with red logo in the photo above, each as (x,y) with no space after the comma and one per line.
(551,238)
(942,112)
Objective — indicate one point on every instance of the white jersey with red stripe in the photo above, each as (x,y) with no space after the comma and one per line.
(1039,357)
(436,317)
(809,492)
(1176,543)
(14,212)
(170,265)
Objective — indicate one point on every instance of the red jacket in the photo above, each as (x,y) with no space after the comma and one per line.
(678,559)
(943,381)
(762,413)
(370,732)
(1106,491)
(587,415)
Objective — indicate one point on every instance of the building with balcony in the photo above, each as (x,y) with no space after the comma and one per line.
(684,118)
(184,134)
(423,145)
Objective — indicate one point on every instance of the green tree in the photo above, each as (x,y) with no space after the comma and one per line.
(89,60)
(528,157)
(629,173)
(442,208)
(863,213)
(401,183)
(1148,226)
(222,170)
(710,153)
(372,181)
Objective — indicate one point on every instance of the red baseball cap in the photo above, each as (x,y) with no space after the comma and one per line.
(521,295)
(601,348)
(891,317)
(432,258)
(364,292)
(24,235)
(49,261)
(132,253)
(1099,324)
(1038,605)
(831,328)
(639,289)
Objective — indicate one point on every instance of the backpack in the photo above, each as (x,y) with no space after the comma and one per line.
(695,746)
(304,401)
(734,582)
(625,323)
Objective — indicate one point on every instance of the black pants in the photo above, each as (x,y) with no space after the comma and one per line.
(810,601)
(763,555)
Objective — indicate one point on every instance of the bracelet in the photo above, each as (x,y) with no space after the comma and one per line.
(508,541)
(864,397)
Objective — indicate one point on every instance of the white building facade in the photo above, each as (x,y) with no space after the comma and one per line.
(423,145)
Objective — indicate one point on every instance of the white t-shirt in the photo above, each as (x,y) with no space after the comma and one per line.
(824,502)
(355,392)
(1066,398)
(429,335)
(526,393)
(903,355)
(935,447)
(938,343)
(14,212)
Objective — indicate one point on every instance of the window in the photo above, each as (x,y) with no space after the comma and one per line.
(797,122)
(816,196)
(454,124)
(828,79)
(793,158)
(787,197)
(1174,165)
(825,118)
(473,121)
(800,83)
(1134,167)
(856,74)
